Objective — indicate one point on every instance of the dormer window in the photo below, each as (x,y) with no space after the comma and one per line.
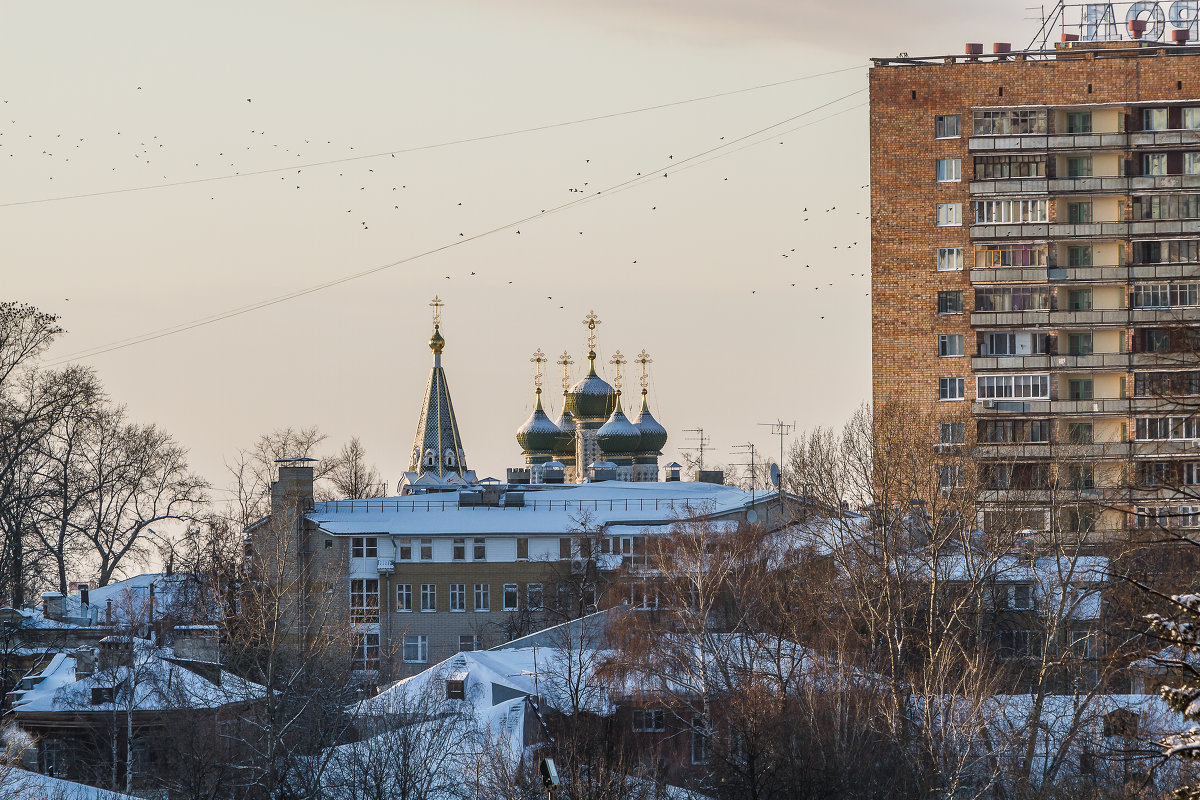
(430,458)
(456,688)
(449,457)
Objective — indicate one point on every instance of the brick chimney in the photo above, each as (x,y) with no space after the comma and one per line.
(85,662)
(52,605)
(294,486)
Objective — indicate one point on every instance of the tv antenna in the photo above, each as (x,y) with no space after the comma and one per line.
(702,443)
(1042,37)
(751,450)
(781,429)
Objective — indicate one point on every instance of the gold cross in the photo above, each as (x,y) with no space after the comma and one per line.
(565,361)
(591,320)
(618,361)
(538,359)
(643,358)
(436,305)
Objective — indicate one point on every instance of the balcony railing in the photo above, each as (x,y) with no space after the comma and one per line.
(1004,274)
(1114,316)
(1142,182)
(983,144)
(1088,141)
(1090,184)
(1164,315)
(1009,186)
(1163,271)
(994,319)
(1173,138)
(1091,230)
(1024,230)
(1010,362)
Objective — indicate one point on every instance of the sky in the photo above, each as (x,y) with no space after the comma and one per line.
(526,161)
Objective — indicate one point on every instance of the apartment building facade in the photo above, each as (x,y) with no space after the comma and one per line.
(1035,232)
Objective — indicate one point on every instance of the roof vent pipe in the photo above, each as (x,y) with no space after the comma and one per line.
(1001,47)
(1180,35)
(1137,27)
(974,48)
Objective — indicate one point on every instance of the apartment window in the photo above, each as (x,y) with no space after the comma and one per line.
(533,596)
(700,741)
(466,642)
(1079,167)
(510,597)
(1166,384)
(1191,163)
(949,259)
(479,550)
(1009,431)
(1020,644)
(1191,473)
(949,170)
(949,476)
(483,597)
(950,344)
(1191,118)
(946,126)
(416,649)
(405,548)
(1009,166)
(1079,432)
(1030,387)
(1157,428)
(1079,389)
(1021,596)
(366,651)
(404,597)
(1079,300)
(460,549)
(1079,122)
(364,600)
(649,720)
(364,548)
(1010,255)
(1010,121)
(1079,256)
(951,432)
(1169,252)
(429,597)
(1156,340)
(564,548)
(1079,344)
(1012,298)
(1165,295)
(949,215)
(950,389)
(950,302)
(1000,344)
(1154,119)
(1011,212)
(1079,213)
(1154,473)
(1081,476)
(458,597)
(522,548)
(427,549)
(1167,206)
(1154,164)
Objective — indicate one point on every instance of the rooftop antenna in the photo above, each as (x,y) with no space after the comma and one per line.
(781,429)
(702,443)
(752,451)
(1042,37)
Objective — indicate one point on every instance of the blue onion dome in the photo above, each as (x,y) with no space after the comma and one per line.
(539,434)
(654,435)
(593,397)
(618,436)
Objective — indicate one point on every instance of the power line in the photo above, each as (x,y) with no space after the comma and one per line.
(726,148)
(419,148)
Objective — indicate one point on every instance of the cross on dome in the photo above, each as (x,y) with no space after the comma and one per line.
(618,361)
(565,361)
(643,358)
(591,320)
(538,359)
(436,305)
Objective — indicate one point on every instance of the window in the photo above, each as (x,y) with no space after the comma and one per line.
(649,720)
(1079,122)
(951,432)
(949,476)
(1168,206)
(949,214)
(564,548)
(1191,473)
(429,597)
(1081,476)
(1079,300)
(1010,255)
(1021,596)
(1011,212)
(1008,431)
(950,389)
(458,597)
(1020,644)
(1010,121)
(1009,166)
(483,597)
(522,548)
(1079,213)
(1154,164)
(946,126)
(510,597)
(1079,256)
(427,549)
(466,642)
(416,649)
(1166,384)
(1165,295)
(533,596)
(1155,428)
(1079,389)
(103,694)
(404,597)
(700,741)
(1079,167)
(405,547)
(329,544)
(1154,119)
(460,549)
(1012,298)
(949,258)
(1079,432)
(364,600)
(366,651)
(1191,118)
(949,170)
(1154,473)
(479,551)
(364,548)
(1079,344)
(1191,163)
(1031,387)
(999,344)
(950,302)
(1169,252)
(950,344)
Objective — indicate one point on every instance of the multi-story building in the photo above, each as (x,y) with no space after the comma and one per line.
(1035,226)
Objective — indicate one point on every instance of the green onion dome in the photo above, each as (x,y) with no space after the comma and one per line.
(539,434)
(618,436)
(593,397)
(654,435)
(566,432)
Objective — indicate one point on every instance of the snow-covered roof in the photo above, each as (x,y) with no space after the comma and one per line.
(549,509)
(19,783)
(158,684)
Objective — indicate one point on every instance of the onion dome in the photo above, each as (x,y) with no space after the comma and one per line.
(593,397)
(539,434)
(566,432)
(618,436)
(654,435)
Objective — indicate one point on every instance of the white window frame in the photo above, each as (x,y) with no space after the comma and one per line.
(458,597)
(474,641)
(479,550)
(948,344)
(404,597)
(949,259)
(404,549)
(649,720)
(941,124)
(1008,387)
(948,215)
(952,432)
(459,551)
(427,549)
(1011,211)
(1150,118)
(534,596)
(1154,164)
(416,648)
(948,170)
(364,547)
(947,387)
(515,594)
(483,597)
(362,592)
(428,597)
(1191,163)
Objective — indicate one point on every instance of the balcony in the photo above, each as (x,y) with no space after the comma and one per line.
(1159,227)
(1056,450)
(1182,359)
(1166,405)
(1164,315)
(1113,406)
(1166,447)
(984,144)
(1091,230)
(1003,407)
(1088,141)
(1090,185)
(1010,362)
(1175,138)
(1106,274)
(1025,363)
(1005,274)
(1027,230)
(1091,361)
(994,319)
(1163,271)
(1113,316)
(1143,182)
(1009,186)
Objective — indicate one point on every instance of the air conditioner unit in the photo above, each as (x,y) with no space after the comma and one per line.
(989,403)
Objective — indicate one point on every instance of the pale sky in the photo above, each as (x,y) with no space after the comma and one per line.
(692,267)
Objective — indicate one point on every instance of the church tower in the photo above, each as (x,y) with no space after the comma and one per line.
(438,458)
(590,402)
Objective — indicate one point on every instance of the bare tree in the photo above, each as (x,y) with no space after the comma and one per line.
(352,477)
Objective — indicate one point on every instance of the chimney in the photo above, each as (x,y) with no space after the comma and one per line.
(1070,37)
(1001,48)
(295,484)
(52,605)
(974,48)
(1137,27)
(85,662)
(84,601)
(108,612)
(197,643)
(1180,35)
(116,651)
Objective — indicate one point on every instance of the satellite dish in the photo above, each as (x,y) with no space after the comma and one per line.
(752,516)
(775,475)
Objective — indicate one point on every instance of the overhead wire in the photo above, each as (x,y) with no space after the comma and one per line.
(676,165)
(419,148)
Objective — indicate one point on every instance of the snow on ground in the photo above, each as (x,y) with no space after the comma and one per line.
(19,784)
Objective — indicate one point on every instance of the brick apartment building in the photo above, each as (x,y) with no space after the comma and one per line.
(1035,234)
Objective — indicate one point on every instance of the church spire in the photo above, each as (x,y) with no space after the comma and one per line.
(437,446)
